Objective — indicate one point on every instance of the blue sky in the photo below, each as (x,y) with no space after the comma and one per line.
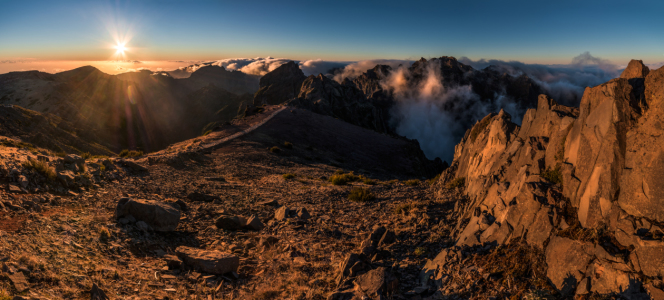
(529,31)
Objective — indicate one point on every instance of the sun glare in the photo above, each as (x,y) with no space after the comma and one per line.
(120,48)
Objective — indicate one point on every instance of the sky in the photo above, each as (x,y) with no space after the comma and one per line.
(179,32)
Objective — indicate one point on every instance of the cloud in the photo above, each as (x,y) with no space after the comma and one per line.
(436,115)
(319,66)
(254,66)
(655,66)
(356,69)
(18,61)
(564,83)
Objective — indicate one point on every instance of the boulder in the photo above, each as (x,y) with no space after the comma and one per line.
(160,216)
(212,262)
(282,213)
(196,196)
(131,165)
(229,223)
(74,159)
(23,181)
(376,283)
(254,223)
(567,261)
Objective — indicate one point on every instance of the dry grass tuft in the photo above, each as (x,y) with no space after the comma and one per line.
(104,235)
(456,183)
(132,153)
(412,182)
(359,194)
(343,179)
(275,149)
(40,167)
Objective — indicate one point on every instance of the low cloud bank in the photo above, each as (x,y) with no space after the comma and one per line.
(564,83)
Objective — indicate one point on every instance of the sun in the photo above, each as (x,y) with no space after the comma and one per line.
(121,48)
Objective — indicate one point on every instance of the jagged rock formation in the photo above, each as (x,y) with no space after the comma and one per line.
(326,96)
(582,184)
(368,99)
(280,85)
(131,110)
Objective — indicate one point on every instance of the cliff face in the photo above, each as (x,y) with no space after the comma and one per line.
(584,185)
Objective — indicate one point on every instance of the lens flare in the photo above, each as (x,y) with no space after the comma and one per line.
(121,49)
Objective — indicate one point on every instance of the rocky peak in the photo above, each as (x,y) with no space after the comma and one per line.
(280,85)
(635,69)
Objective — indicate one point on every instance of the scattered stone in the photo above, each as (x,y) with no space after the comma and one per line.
(19,281)
(220,179)
(97,294)
(228,223)
(254,223)
(173,262)
(212,262)
(196,196)
(132,165)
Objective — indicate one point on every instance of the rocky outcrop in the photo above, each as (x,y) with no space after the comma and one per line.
(635,69)
(327,97)
(582,184)
(280,85)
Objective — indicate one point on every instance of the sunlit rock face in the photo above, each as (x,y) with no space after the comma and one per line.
(567,172)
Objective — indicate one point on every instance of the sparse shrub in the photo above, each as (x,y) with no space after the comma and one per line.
(275,149)
(403,208)
(553,175)
(104,235)
(32,263)
(419,251)
(16,144)
(368,181)
(361,195)
(339,172)
(288,176)
(40,167)
(479,127)
(457,182)
(538,295)
(268,295)
(288,145)
(132,153)
(412,182)
(433,180)
(342,179)
(4,295)
(207,132)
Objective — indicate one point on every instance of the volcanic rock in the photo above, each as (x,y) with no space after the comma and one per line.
(635,69)
(212,262)
(280,85)
(160,216)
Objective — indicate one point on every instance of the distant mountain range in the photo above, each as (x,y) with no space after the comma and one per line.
(150,110)
(143,109)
